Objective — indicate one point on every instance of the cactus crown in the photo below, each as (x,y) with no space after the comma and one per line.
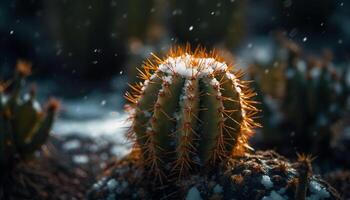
(24,127)
(191,111)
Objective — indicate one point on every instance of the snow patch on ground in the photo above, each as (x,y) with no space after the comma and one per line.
(193,194)
(218,189)
(274,196)
(318,192)
(80,159)
(266,181)
(70,145)
(88,118)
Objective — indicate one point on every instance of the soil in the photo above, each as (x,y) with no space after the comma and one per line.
(70,167)
(242,179)
(64,169)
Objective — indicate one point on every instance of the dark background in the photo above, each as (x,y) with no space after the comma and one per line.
(94,40)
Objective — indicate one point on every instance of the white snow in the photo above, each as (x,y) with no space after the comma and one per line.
(318,192)
(274,196)
(70,145)
(315,73)
(80,159)
(193,194)
(238,89)
(36,105)
(94,121)
(112,184)
(188,65)
(99,183)
(214,82)
(167,79)
(234,79)
(218,189)
(301,66)
(266,181)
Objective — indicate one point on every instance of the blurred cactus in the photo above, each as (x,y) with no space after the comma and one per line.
(192,110)
(340,180)
(340,142)
(24,128)
(314,95)
(319,93)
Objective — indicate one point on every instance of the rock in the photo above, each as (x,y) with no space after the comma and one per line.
(271,177)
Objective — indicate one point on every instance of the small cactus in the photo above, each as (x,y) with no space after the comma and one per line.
(24,128)
(304,169)
(192,111)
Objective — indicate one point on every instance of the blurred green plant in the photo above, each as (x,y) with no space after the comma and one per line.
(24,127)
(310,94)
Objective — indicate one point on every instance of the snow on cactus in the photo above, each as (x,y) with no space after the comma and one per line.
(192,110)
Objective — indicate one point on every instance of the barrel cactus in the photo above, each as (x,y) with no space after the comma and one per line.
(192,111)
(191,119)
(24,127)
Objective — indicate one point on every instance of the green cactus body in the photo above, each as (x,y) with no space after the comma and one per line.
(192,110)
(24,128)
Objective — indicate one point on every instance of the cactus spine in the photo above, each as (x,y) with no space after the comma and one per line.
(24,128)
(191,111)
(304,171)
